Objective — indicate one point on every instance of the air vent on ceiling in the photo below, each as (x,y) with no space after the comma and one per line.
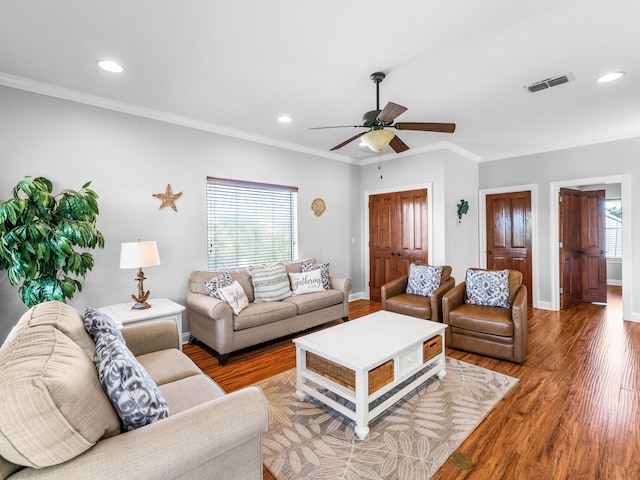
(549,82)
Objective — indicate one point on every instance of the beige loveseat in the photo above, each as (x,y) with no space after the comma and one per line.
(213,322)
(46,367)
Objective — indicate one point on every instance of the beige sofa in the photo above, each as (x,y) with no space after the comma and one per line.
(213,322)
(46,367)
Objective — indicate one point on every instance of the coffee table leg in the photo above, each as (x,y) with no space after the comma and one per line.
(441,374)
(301,364)
(362,432)
(362,405)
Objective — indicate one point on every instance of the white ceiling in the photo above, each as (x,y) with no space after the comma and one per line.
(233,67)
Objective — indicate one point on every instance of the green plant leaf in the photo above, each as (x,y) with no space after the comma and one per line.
(37,233)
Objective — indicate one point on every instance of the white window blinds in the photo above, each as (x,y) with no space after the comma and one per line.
(613,228)
(250,223)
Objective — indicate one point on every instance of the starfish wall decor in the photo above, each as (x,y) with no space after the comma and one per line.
(168,198)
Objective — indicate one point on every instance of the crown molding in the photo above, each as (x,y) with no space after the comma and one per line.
(77,96)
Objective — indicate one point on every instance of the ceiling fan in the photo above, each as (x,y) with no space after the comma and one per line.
(376,121)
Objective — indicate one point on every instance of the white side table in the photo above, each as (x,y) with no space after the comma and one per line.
(161,309)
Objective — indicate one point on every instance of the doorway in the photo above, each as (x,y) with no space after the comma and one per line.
(398,235)
(583,263)
(625,194)
(508,229)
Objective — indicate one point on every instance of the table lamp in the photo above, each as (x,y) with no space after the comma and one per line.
(138,255)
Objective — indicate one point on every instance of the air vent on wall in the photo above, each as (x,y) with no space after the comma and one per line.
(549,82)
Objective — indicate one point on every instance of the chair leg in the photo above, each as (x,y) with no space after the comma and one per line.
(192,339)
(222,359)
(345,319)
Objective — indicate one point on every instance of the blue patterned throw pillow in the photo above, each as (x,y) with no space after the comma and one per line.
(133,393)
(423,279)
(488,288)
(97,323)
(215,284)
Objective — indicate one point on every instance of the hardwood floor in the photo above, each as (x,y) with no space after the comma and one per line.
(574,414)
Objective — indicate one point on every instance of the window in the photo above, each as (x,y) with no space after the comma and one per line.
(250,223)
(613,228)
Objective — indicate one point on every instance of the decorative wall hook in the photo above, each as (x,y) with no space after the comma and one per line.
(463,208)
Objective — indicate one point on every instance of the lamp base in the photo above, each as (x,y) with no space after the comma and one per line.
(140,306)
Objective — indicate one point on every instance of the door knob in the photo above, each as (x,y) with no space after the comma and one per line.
(489,252)
(399,254)
(393,254)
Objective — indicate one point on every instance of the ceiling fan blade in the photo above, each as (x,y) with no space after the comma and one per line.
(427,127)
(339,126)
(398,145)
(348,141)
(390,112)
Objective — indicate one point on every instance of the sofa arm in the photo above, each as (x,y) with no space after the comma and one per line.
(393,288)
(209,306)
(150,337)
(219,439)
(436,298)
(519,318)
(452,299)
(344,285)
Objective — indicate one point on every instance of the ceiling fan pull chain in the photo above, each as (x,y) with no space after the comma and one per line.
(380,164)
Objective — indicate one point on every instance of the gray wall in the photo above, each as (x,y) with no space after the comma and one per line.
(575,166)
(128,158)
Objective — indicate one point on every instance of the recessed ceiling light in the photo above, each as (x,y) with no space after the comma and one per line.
(110,66)
(284,119)
(610,77)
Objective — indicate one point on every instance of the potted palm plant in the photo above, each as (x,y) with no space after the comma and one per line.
(44,237)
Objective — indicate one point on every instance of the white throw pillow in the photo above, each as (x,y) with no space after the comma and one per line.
(270,282)
(306,282)
(324,269)
(235,296)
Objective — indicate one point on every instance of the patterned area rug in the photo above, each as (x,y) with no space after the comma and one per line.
(307,440)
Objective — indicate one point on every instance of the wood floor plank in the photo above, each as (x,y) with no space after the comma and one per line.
(574,413)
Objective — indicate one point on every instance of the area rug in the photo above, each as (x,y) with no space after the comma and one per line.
(410,441)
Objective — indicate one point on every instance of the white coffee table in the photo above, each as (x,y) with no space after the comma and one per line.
(365,358)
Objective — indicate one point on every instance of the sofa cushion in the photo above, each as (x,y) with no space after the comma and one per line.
(487,287)
(270,282)
(324,270)
(315,301)
(257,314)
(306,282)
(477,318)
(213,285)
(423,279)
(62,317)
(236,298)
(408,304)
(132,392)
(98,323)
(189,392)
(166,366)
(52,407)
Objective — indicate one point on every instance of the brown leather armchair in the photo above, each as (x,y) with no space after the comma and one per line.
(492,331)
(394,298)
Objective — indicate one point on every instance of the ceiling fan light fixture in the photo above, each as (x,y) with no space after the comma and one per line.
(378,140)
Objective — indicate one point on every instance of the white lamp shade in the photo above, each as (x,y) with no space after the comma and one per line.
(377,140)
(139,254)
